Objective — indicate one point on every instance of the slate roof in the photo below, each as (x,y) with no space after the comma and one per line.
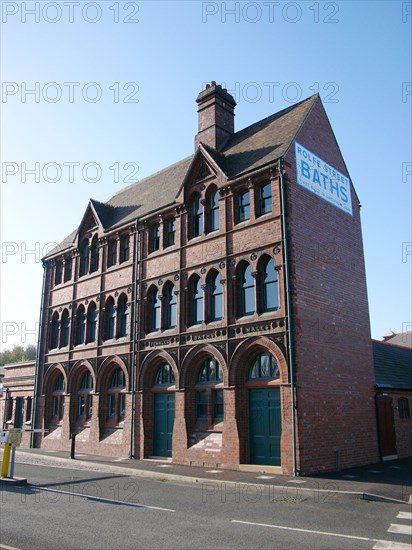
(253,147)
(393,366)
(403,339)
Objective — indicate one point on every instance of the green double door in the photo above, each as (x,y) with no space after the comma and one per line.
(265,426)
(164,416)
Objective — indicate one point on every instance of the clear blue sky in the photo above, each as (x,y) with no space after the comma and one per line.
(268,54)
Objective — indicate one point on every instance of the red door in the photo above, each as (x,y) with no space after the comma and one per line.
(386,426)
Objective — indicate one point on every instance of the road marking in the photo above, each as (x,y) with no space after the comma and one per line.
(389,545)
(326,533)
(213,471)
(102,499)
(348,476)
(165,465)
(118,459)
(404,515)
(401,529)
(264,477)
(296,481)
(5,547)
(375,471)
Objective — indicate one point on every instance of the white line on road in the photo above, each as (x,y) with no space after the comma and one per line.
(404,515)
(102,499)
(389,545)
(401,529)
(311,531)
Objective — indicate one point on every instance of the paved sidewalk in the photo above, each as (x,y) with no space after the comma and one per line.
(390,480)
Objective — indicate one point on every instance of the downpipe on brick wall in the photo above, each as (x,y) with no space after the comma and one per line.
(38,354)
(289,313)
(136,278)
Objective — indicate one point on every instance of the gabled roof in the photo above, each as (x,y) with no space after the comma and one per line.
(256,146)
(393,366)
(403,339)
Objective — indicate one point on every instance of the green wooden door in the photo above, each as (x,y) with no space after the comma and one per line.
(164,416)
(265,426)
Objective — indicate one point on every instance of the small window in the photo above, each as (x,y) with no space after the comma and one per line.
(196,213)
(403,407)
(154,238)
(117,379)
(65,329)
(58,272)
(154,310)
(112,253)
(213,207)
(80,326)
(67,269)
(196,301)
(86,382)
(123,312)
(243,206)
(269,286)
(170,235)
(201,404)
(55,327)
(110,319)
(94,255)
(28,409)
(170,306)
(218,407)
(264,199)
(215,290)
(84,258)
(124,248)
(91,322)
(247,291)
(164,376)
(59,384)
(264,366)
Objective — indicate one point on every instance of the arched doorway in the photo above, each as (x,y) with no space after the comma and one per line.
(265,425)
(163,410)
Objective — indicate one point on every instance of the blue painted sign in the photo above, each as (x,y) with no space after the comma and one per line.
(321,178)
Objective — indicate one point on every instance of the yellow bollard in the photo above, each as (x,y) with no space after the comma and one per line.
(6,460)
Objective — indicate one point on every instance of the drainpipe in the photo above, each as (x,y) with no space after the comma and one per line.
(134,320)
(288,312)
(38,353)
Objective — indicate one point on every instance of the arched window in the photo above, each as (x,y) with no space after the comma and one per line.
(209,401)
(80,325)
(110,319)
(94,255)
(264,366)
(154,237)
(123,312)
(247,290)
(269,286)
(84,398)
(84,258)
(196,301)
(67,268)
(264,199)
(213,210)
(116,398)
(58,398)
(164,376)
(170,306)
(196,216)
(91,322)
(154,310)
(210,371)
(54,335)
(215,291)
(65,329)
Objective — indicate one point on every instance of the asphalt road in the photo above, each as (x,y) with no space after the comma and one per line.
(73,509)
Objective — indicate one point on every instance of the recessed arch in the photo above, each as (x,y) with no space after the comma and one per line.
(51,376)
(246,351)
(107,368)
(76,373)
(193,360)
(149,366)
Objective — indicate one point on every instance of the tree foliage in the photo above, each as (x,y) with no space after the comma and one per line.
(18,354)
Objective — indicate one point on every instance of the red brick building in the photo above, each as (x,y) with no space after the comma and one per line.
(216,312)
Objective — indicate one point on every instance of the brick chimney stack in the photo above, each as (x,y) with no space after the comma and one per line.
(216,116)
